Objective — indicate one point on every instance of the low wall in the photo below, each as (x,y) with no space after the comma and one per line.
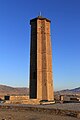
(12,98)
(21,100)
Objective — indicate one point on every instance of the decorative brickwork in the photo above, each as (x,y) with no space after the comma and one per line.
(41,83)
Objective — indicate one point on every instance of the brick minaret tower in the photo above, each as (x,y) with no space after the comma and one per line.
(41,83)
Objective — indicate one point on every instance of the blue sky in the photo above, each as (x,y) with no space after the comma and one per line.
(15,17)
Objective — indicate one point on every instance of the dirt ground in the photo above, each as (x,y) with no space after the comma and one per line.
(29,115)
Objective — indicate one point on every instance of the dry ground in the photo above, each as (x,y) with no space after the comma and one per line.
(29,115)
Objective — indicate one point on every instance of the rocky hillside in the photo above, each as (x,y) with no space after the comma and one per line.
(25,91)
(11,90)
(69,91)
(76,89)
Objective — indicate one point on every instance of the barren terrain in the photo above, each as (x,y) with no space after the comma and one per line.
(29,115)
(39,112)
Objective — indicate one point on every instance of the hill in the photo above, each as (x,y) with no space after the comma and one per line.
(4,90)
(69,91)
(25,91)
(76,89)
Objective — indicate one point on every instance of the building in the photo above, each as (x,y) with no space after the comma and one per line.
(41,80)
(69,98)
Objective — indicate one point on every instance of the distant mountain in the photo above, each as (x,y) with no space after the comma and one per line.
(7,90)
(76,89)
(69,91)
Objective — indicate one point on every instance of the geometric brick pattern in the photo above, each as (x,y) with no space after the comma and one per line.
(41,80)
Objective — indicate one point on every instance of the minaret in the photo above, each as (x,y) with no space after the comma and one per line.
(41,80)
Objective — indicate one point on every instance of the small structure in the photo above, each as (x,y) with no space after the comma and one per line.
(69,98)
(15,99)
